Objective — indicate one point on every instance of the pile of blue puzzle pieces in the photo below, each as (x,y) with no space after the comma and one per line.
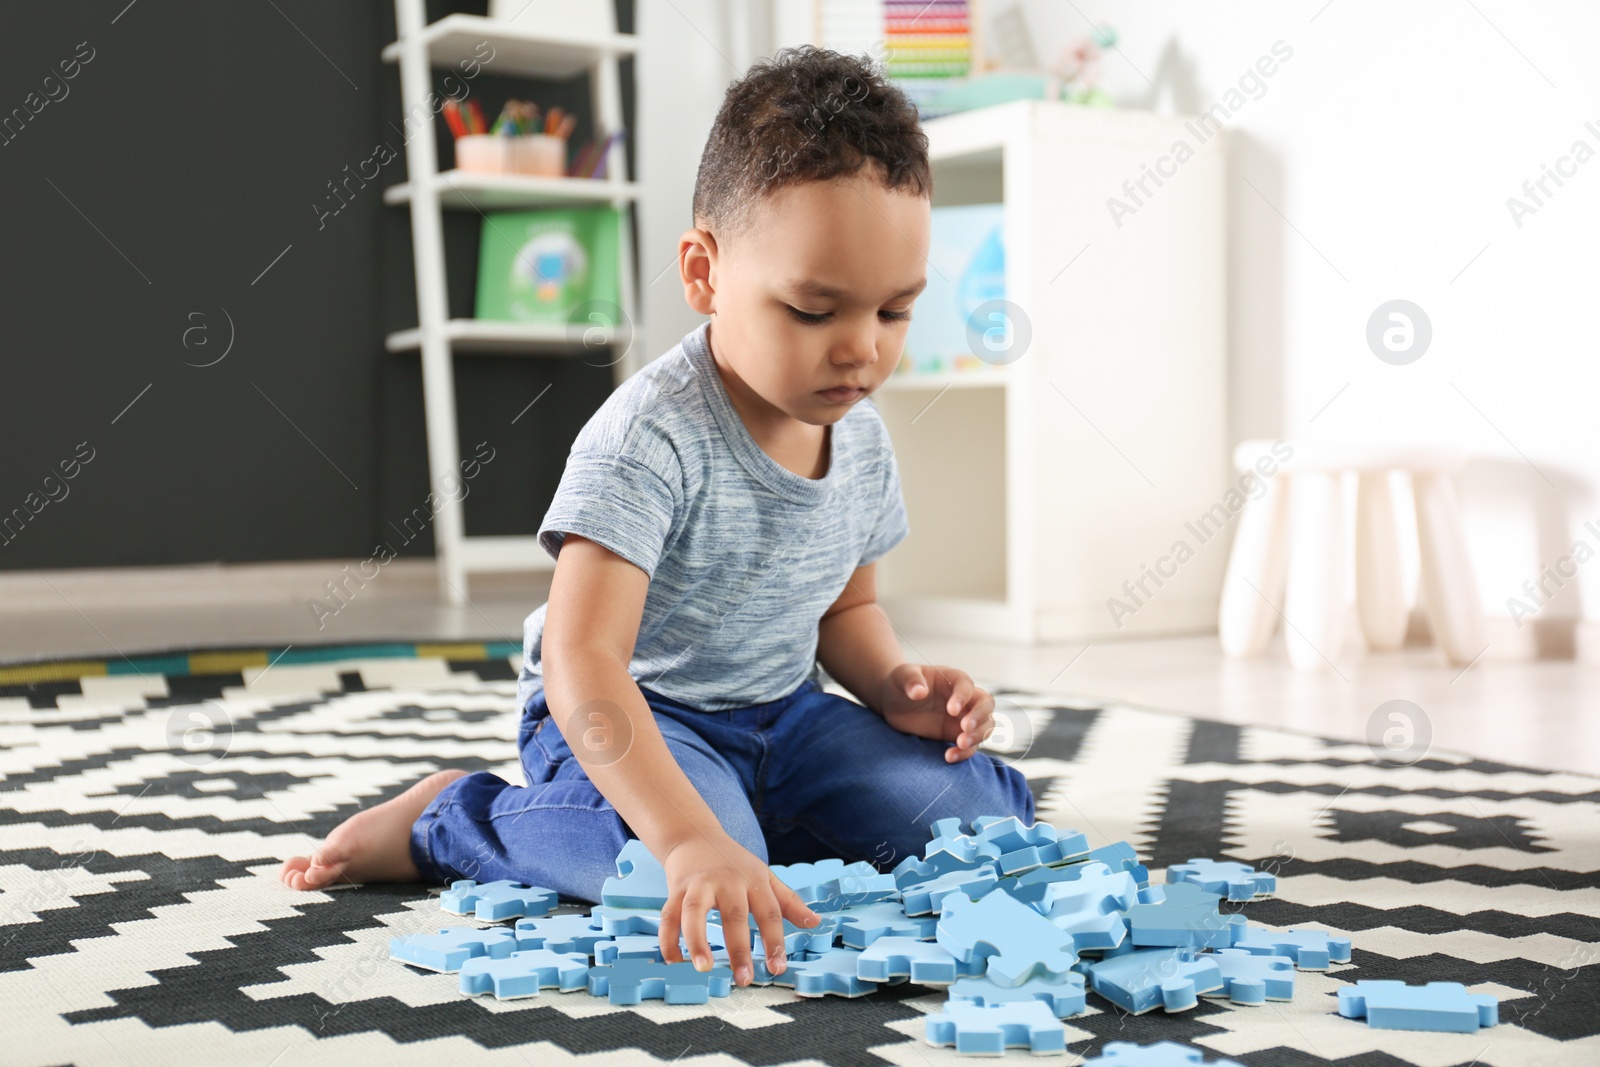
(1018,923)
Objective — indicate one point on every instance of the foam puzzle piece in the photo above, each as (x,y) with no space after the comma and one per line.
(1160,1054)
(1439,1007)
(860,926)
(1023,847)
(850,890)
(1311,950)
(1121,856)
(1188,918)
(614,921)
(641,882)
(912,870)
(559,933)
(796,939)
(1090,907)
(1064,995)
(1252,979)
(523,974)
(497,901)
(977,1030)
(452,946)
(947,837)
(832,973)
(631,981)
(924,962)
(1144,979)
(805,876)
(1018,941)
(926,898)
(1236,881)
(629,947)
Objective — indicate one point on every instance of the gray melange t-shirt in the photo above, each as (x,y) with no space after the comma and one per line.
(744,555)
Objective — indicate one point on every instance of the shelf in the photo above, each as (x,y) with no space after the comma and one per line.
(504,554)
(505,338)
(961,379)
(518,50)
(470,191)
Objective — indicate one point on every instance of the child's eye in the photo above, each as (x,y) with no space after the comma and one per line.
(811,319)
(806,317)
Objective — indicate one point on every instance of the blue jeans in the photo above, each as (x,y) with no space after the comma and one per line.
(802,778)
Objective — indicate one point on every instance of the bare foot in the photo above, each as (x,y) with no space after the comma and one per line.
(370,846)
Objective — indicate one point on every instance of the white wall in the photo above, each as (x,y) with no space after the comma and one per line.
(1376,164)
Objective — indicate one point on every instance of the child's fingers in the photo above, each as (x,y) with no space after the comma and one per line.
(960,692)
(913,682)
(670,929)
(736,935)
(696,903)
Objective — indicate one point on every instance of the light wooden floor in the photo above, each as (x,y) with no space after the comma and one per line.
(1543,713)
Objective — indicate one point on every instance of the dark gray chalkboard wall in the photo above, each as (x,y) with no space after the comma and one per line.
(186,154)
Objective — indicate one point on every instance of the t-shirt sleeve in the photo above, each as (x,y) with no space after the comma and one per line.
(892,525)
(615,501)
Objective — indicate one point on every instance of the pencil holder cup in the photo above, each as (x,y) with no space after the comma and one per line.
(482,152)
(539,153)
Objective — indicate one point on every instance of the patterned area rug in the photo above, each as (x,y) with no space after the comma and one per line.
(146,811)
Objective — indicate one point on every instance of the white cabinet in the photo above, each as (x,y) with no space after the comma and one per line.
(1037,488)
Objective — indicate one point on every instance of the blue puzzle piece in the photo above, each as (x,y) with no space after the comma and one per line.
(851,890)
(1440,1007)
(1121,857)
(641,882)
(1251,979)
(523,974)
(629,947)
(1090,907)
(1063,994)
(925,898)
(1169,978)
(497,901)
(911,870)
(803,876)
(1311,950)
(834,972)
(1161,1054)
(948,838)
(863,924)
(614,921)
(1018,941)
(560,933)
(452,946)
(796,939)
(924,962)
(1188,918)
(1024,847)
(630,981)
(1236,881)
(980,1031)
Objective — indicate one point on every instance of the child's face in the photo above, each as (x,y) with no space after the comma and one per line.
(811,303)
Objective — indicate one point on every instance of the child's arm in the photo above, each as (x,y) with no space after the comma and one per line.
(591,623)
(857,645)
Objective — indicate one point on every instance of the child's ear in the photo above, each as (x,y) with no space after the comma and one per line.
(697,252)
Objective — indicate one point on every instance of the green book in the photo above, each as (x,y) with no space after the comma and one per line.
(550,266)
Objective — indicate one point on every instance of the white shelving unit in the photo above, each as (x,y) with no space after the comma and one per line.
(1036,489)
(519,50)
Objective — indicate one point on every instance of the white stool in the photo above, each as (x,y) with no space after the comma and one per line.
(1303,506)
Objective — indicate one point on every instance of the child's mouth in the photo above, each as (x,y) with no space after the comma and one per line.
(842,394)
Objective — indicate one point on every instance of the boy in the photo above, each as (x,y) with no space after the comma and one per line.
(716,532)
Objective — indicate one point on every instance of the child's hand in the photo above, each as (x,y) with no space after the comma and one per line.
(707,872)
(941,703)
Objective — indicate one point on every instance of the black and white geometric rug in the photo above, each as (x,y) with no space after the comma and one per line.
(144,815)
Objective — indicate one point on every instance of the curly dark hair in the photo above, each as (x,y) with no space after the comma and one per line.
(807,114)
